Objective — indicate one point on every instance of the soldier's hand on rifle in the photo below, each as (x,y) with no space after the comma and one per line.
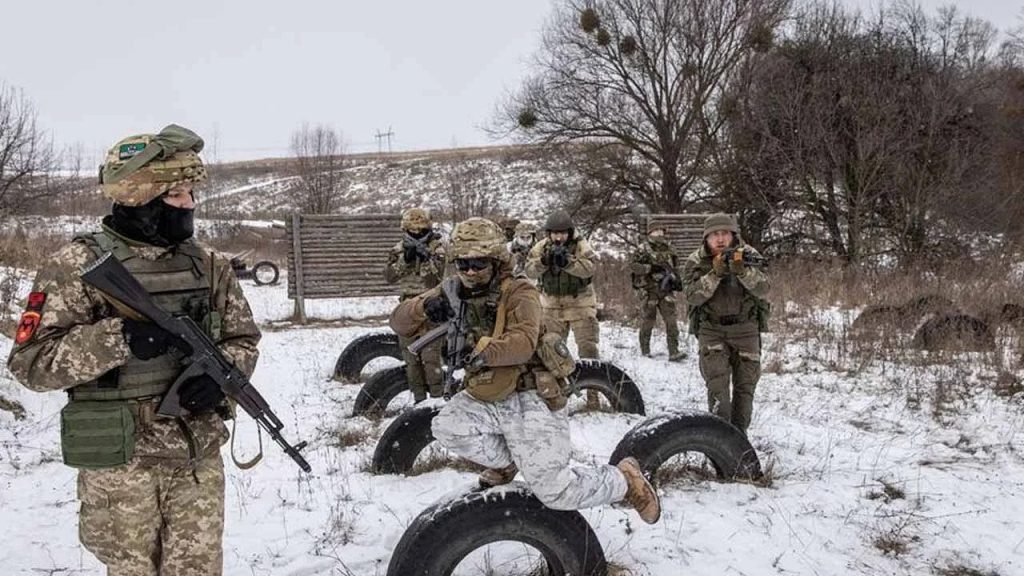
(719,266)
(145,339)
(200,394)
(559,256)
(437,309)
(409,253)
(736,265)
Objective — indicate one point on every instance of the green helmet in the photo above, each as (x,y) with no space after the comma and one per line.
(142,167)
(415,219)
(559,221)
(720,221)
(478,238)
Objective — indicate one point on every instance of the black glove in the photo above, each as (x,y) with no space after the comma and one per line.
(145,339)
(438,309)
(409,253)
(200,394)
(560,256)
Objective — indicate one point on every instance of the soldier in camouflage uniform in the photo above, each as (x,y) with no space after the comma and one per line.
(656,279)
(151,487)
(416,264)
(728,313)
(508,417)
(519,247)
(565,265)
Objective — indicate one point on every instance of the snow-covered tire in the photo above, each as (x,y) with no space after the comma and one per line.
(403,440)
(618,388)
(657,439)
(448,531)
(379,390)
(361,351)
(265,272)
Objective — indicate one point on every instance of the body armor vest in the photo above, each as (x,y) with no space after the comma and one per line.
(180,284)
(562,283)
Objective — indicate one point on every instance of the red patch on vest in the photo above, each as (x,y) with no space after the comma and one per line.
(29,322)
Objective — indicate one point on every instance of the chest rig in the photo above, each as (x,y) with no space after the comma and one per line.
(561,283)
(179,282)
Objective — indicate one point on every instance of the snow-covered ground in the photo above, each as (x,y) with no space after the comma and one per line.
(859,456)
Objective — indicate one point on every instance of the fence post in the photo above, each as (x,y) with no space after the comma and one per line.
(300,305)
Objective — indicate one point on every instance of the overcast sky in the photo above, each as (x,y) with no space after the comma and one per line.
(246,73)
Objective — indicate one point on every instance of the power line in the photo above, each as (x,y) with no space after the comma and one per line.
(380,137)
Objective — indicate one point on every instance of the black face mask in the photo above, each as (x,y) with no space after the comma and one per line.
(157,223)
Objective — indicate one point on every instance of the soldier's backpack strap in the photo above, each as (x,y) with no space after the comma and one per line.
(499,320)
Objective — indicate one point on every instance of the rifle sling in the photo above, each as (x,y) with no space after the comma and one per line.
(256,459)
(499,320)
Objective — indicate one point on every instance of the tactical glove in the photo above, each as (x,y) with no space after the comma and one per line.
(437,309)
(409,253)
(736,265)
(145,339)
(559,257)
(719,266)
(200,394)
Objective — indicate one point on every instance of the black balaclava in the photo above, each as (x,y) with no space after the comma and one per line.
(157,222)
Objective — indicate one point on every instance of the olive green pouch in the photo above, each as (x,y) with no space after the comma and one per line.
(97,434)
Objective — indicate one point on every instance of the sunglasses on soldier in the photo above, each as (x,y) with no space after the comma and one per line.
(475,264)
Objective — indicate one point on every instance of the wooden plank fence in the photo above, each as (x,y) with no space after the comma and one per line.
(337,256)
(685,232)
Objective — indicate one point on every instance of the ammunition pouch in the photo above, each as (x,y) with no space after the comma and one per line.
(97,434)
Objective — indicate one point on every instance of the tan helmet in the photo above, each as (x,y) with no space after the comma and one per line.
(479,238)
(720,221)
(140,168)
(416,219)
(524,228)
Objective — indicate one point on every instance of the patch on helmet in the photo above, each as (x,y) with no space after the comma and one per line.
(125,151)
(30,318)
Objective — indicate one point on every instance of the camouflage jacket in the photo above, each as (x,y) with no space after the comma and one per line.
(582,265)
(649,265)
(504,355)
(724,300)
(79,338)
(416,277)
(519,254)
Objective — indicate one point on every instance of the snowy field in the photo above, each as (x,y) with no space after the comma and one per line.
(870,475)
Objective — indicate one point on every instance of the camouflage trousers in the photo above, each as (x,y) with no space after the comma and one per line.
(523,430)
(154,519)
(582,322)
(651,303)
(731,353)
(423,372)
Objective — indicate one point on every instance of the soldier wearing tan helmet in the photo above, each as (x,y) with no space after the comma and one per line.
(416,264)
(728,312)
(508,417)
(655,276)
(521,244)
(151,487)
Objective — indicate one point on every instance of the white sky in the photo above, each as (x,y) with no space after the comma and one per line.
(246,73)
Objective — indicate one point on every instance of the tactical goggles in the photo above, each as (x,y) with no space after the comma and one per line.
(474,264)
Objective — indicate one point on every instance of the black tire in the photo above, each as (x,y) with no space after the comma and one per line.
(403,440)
(622,393)
(380,389)
(361,351)
(655,440)
(265,272)
(448,531)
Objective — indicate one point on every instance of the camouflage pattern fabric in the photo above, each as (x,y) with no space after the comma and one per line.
(650,307)
(417,277)
(424,371)
(154,519)
(564,313)
(647,279)
(725,355)
(140,168)
(522,429)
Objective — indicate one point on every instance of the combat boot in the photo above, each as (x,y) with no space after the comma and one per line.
(639,493)
(492,477)
(677,356)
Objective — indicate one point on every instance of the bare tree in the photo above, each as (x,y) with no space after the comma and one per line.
(465,190)
(647,74)
(27,156)
(318,164)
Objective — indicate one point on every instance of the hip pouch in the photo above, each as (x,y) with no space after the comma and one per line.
(552,381)
(550,389)
(97,434)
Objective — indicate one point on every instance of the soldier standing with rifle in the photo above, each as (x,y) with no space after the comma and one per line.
(416,264)
(151,487)
(508,417)
(564,264)
(655,277)
(520,246)
(726,290)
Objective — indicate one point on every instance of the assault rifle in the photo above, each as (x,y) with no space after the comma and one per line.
(422,245)
(109,276)
(749,258)
(455,337)
(668,281)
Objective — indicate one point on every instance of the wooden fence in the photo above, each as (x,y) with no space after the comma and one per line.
(336,256)
(685,232)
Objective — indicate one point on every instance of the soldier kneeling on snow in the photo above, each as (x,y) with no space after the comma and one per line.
(508,417)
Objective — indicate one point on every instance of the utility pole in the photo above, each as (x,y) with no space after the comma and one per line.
(381,136)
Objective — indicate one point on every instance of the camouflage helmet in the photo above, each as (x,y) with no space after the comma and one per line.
(415,219)
(559,221)
(524,228)
(142,167)
(720,221)
(478,238)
